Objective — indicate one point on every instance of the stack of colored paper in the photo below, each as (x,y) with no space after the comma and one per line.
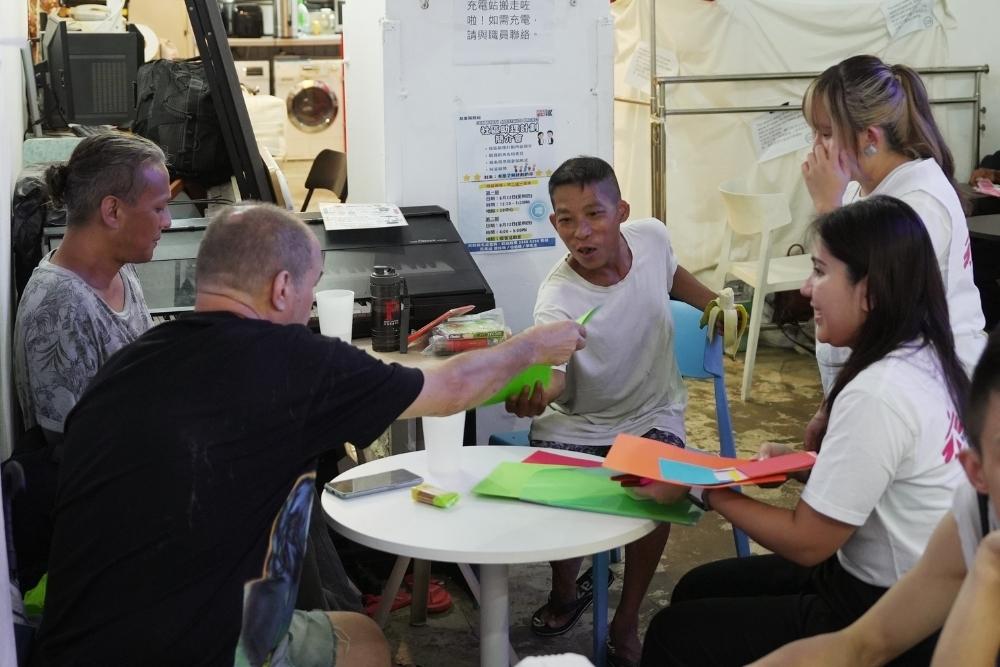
(665,463)
(582,488)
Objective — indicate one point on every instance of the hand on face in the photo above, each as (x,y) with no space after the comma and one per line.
(826,172)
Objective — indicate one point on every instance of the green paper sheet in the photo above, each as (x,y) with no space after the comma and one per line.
(532,374)
(571,487)
(583,319)
(526,378)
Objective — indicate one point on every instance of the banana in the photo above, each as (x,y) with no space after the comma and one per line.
(734,320)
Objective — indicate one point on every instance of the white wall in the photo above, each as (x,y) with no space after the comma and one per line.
(403,98)
(169,20)
(974,42)
(13,34)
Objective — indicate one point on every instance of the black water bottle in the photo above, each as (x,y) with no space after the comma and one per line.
(386,289)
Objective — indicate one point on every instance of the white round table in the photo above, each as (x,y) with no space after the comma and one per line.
(492,532)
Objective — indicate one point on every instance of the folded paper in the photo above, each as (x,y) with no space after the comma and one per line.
(666,463)
(574,487)
(547,457)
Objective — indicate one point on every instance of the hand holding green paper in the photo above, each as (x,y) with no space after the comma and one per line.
(532,375)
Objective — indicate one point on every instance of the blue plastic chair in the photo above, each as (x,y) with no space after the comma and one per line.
(697,358)
(511,438)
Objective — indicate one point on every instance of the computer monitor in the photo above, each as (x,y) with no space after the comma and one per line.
(91,77)
(234,121)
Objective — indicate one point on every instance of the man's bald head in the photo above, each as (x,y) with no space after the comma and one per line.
(245,247)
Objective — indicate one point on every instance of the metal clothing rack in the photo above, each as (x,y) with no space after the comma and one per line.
(658,111)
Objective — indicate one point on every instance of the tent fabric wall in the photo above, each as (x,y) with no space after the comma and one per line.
(752,36)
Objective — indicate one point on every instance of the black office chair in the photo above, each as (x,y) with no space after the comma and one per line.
(328,171)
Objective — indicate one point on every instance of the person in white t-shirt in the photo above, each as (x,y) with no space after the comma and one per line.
(957,576)
(875,135)
(886,473)
(625,381)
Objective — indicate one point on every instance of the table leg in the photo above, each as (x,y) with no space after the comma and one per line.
(473,582)
(600,584)
(421,582)
(494,611)
(390,590)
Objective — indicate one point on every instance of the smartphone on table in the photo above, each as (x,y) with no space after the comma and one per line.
(399,478)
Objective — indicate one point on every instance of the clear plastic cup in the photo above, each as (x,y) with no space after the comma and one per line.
(443,443)
(335,308)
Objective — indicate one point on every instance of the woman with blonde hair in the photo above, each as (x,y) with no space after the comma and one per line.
(875,135)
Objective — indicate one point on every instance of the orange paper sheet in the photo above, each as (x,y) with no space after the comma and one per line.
(641,456)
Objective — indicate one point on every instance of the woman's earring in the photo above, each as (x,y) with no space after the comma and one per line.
(870,150)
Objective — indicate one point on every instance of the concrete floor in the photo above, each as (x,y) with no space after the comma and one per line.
(786,392)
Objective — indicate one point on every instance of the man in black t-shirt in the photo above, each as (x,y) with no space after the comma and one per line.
(184,493)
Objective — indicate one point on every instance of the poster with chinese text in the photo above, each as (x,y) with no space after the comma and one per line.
(497,32)
(505,156)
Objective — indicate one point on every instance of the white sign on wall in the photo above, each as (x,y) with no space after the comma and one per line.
(637,73)
(505,156)
(905,16)
(778,133)
(492,32)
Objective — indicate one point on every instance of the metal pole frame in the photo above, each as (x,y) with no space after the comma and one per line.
(659,113)
(657,131)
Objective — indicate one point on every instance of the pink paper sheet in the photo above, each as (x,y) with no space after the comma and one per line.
(548,458)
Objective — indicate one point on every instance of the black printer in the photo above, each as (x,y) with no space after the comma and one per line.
(440,273)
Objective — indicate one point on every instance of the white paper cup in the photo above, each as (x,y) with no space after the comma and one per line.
(443,443)
(335,308)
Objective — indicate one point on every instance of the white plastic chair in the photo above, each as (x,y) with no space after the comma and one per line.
(748,214)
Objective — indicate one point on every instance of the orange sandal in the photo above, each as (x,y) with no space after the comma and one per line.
(438,598)
(403,598)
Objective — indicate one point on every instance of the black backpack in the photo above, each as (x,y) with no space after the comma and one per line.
(174,110)
(31,211)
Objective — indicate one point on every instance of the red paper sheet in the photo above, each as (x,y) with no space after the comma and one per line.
(777,464)
(548,458)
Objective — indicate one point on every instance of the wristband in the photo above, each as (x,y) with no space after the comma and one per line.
(699,496)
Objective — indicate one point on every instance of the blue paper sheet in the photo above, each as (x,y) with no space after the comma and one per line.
(687,474)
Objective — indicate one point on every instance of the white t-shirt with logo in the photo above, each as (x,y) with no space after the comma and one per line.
(626,379)
(922,185)
(889,463)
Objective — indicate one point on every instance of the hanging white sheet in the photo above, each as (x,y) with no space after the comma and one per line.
(754,36)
